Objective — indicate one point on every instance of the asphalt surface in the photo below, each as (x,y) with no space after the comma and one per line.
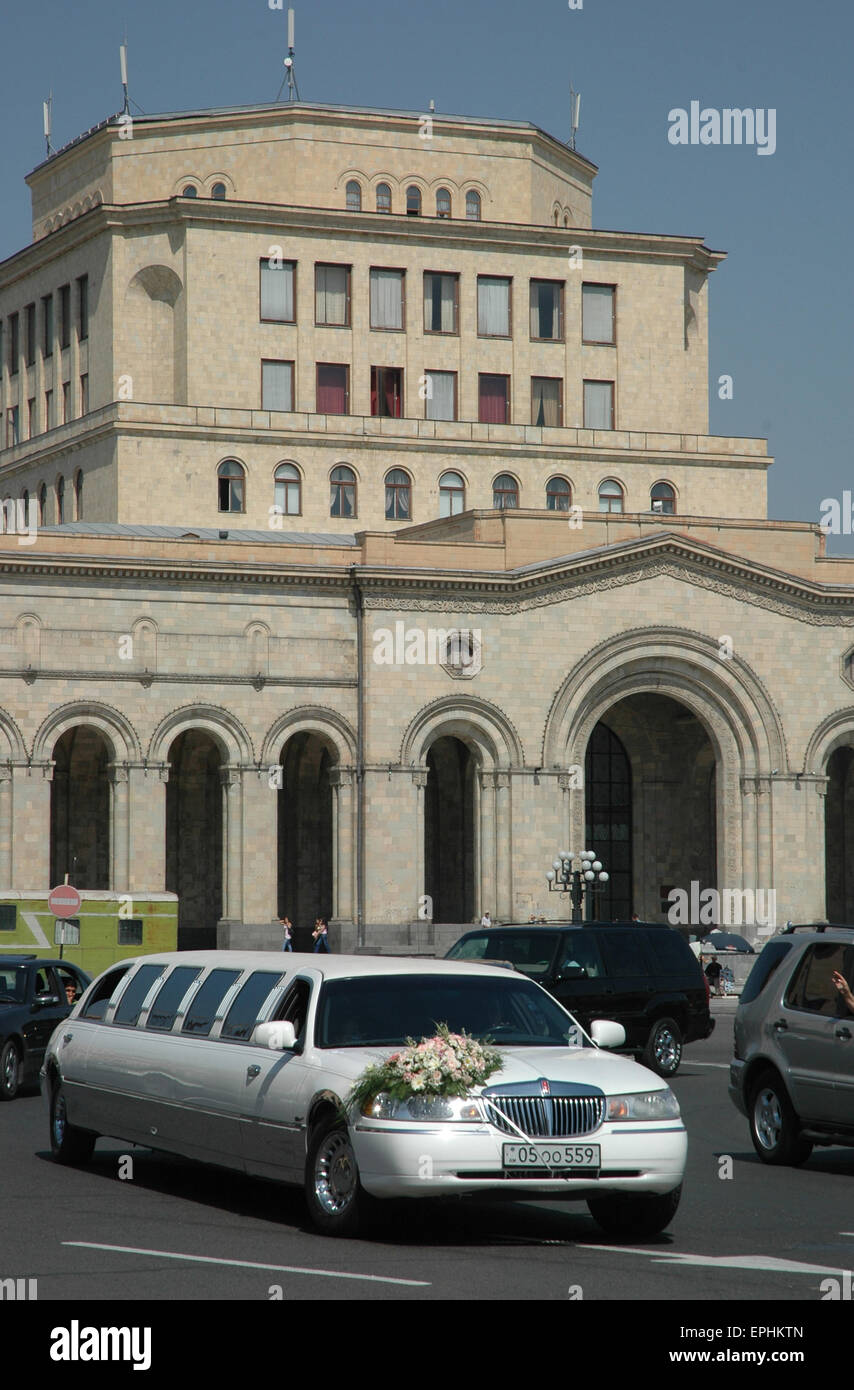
(179,1231)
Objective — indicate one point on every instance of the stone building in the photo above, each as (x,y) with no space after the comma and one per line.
(291,393)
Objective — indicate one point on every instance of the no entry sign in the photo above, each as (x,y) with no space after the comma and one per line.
(64,901)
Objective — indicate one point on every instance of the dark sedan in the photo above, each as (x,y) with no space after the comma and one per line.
(35,995)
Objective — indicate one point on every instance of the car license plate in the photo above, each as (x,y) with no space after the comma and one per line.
(585,1157)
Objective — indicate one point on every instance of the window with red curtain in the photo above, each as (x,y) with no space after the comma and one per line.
(387,391)
(332,390)
(493,399)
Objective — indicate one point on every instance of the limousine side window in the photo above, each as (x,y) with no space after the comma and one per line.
(243,1014)
(294,1008)
(99,1000)
(201,1014)
(130,1005)
(164,1010)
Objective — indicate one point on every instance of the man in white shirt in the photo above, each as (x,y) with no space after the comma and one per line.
(486,920)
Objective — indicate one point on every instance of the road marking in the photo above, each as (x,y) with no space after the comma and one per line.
(691,1063)
(771,1264)
(248,1264)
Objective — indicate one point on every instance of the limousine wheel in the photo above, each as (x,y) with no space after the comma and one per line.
(663,1051)
(10,1071)
(336,1202)
(68,1144)
(627,1217)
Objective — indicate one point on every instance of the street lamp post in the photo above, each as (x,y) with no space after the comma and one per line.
(587,876)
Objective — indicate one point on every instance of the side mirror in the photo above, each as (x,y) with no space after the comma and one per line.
(279,1037)
(44,1001)
(606,1033)
(573,972)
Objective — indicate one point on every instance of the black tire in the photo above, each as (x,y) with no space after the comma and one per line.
(337,1203)
(663,1051)
(68,1144)
(627,1217)
(10,1070)
(774,1124)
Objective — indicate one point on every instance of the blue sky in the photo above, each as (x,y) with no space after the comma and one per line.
(781,305)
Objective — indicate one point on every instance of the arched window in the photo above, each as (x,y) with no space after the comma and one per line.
(342,501)
(398,495)
(610,496)
(78,495)
(662,498)
(288,490)
(42,495)
(189,191)
(557,217)
(231,477)
(473,206)
(354,196)
(505,492)
(25,503)
(452,494)
(383,198)
(413,201)
(558,495)
(60,500)
(218,190)
(443,203)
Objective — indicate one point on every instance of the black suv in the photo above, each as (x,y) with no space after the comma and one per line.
(35,995)
(641,974)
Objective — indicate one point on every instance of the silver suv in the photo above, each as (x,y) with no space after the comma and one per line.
(792,1072)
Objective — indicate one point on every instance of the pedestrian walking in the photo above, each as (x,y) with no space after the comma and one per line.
(288,930)
(486,920)
(321,935)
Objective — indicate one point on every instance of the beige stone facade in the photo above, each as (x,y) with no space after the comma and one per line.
(198,692)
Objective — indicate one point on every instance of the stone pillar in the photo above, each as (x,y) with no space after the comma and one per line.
(231,777)
(6,824)
(419,782)
(748,832)
(260,830)
(343,844)
(488,841)
(147,828)
(119,827)
(31,842)
(799,852)
(504,848)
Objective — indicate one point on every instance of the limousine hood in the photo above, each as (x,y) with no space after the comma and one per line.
(590,1066)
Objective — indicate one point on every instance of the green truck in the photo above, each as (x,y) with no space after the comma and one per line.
(107,928)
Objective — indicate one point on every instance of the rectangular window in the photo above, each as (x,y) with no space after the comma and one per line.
(84,394)
(13,426)
(387,299)
(201,1014)
(333,389)
(546,400)
(441,401)
(164,1010)
(547,309)
(47,326)
(277,385)
(441,302)
(8,917)
(278,291)
(66,402)
(14,344)
(130,932)
(130,1005)
(598,319)
(83,307)
(65,316)
(48,410)
(242,1016)
(332,295)
(30,328)
(493,399)
(598,405)
(493,306)
(387,392)
(31,417)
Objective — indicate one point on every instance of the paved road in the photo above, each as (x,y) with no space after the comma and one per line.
(180,1231)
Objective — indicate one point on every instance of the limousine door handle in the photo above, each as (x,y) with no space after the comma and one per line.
(66,1037)
(253,1071)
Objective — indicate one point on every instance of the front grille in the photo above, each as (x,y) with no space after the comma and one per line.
(547,1117)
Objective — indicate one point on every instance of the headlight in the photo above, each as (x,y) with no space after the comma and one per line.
(645,1105)
(385,1107)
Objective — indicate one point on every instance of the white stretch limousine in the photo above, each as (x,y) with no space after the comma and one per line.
(245,1059)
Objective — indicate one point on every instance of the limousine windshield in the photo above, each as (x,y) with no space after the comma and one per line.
(387,1010)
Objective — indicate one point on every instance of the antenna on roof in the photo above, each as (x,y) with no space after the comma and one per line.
(575,113)
(47,109)
(290,72)
(123,62)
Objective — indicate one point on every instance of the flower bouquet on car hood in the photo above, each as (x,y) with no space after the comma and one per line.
(424,1074)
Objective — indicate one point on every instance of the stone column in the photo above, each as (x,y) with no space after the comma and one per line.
(488,841)
(419,782)
(119,827)
(147,828)
(6,824)
(260,834)
(231,777)
(799,853)
(748,832)
(343,844)
(31,843)
(504,848)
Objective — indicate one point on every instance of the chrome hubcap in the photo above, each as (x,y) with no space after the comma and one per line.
(59,1120)
(666,1048)
(10,1069)
(768,1119)
(335,1174)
